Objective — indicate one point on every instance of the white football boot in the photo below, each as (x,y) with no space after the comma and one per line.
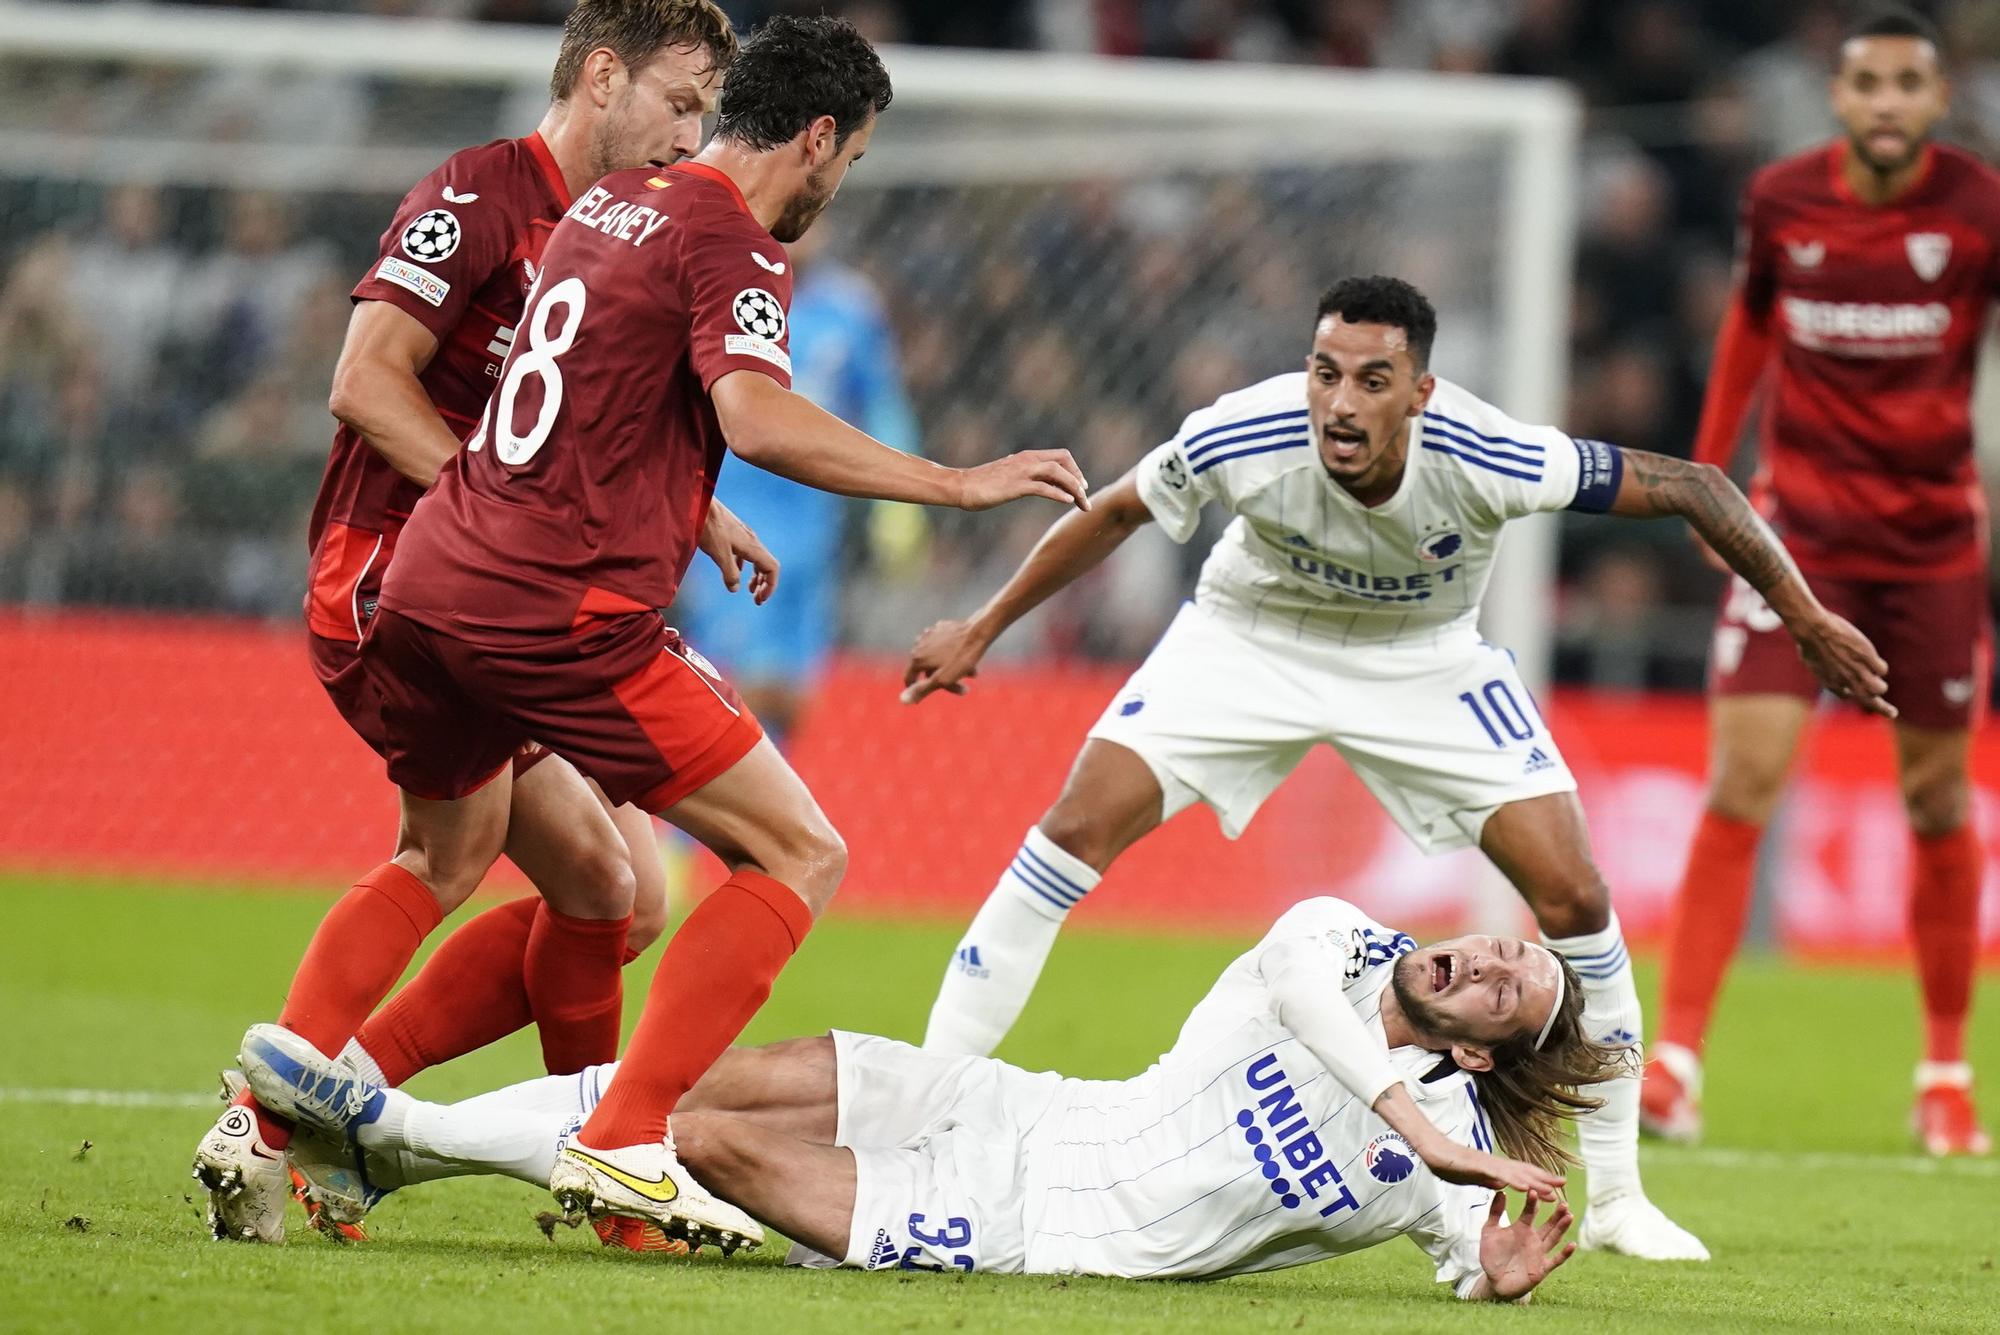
(648,1182)
(336,1181)
(1631,1225)
(243,1176)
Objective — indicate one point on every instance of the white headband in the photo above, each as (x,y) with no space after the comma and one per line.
(1554,1010)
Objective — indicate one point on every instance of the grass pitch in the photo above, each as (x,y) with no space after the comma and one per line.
(121,1001)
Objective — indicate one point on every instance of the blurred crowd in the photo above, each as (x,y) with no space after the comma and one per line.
(165,342)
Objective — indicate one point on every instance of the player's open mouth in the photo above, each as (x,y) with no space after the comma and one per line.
(1347,444)
(1886,140)
(1441,971)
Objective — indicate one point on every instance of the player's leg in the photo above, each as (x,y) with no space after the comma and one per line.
(1760,700)
(1542,846)
(1110,801)
(804,1190)
(785,861)
(1753,740)
(1211,716)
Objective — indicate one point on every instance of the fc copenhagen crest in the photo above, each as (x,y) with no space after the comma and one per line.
(1929,253)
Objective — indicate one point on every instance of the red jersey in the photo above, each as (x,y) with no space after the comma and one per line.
(459,258)
(1877,312)
(585,485)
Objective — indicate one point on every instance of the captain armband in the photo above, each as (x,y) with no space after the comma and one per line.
(1600,467)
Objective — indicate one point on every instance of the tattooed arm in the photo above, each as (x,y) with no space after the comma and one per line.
(1654,486)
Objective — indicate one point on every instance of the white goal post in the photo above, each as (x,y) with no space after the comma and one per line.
(1493,161)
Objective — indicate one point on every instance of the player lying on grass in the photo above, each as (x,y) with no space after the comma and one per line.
(1341,607)
(1337,1087)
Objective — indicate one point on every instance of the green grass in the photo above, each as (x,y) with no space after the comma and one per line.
(1818,1215)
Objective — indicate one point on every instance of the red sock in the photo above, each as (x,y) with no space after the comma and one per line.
(713,976)
(575,988)
(361,948)
(277,1131)
(1706,925)
(1944,918)
(468,994)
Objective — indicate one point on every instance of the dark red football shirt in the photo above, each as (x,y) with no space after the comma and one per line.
(1877,312)
(459,258)
(587,481)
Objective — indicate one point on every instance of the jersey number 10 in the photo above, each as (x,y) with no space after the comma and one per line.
(537,359)
(1500,708)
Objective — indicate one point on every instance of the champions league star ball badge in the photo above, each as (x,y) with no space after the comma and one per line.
(432,237)
(1389,1158)
(759,314)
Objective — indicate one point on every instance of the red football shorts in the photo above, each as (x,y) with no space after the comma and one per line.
(337,664)
(620,697)
(1935,636)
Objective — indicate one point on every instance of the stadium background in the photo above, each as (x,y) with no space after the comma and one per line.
(174,298)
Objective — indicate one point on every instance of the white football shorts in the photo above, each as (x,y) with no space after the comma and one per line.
(1441,735)
(937,1149)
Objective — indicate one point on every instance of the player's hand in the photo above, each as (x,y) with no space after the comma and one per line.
(1843,660)
(944,657)
(1468,1167)
(731,544)
(1520,1255)
(1049,473)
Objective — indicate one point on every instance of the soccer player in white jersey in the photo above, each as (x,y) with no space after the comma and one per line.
(1341,607)
(1336,1088)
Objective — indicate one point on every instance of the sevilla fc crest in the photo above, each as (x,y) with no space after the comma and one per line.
(1929,253)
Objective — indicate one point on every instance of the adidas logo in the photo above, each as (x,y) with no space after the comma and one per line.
(967,962)
(1538,760)
(883,1253)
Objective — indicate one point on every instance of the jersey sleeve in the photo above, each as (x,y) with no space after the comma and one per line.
(1170,485)
(1449,1233)
(739,301)
(1518,469)
(450,235)
(1756,255)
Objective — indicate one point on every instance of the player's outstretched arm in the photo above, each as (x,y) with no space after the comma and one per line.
(949,652)
(1656,485)
(788,434)
(1514,1258)
(376,390)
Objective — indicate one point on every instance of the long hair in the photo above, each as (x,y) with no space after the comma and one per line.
(1529,1094)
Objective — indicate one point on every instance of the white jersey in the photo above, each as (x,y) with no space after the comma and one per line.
(1304,558)
(1237,1151)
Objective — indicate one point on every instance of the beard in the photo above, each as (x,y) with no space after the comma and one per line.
(1425,1016)
(802,208)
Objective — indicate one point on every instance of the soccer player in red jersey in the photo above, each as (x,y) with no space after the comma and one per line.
(523,602)
(432,322)
(1868,267)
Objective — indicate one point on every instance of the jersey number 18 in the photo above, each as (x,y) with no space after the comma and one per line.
(537,359)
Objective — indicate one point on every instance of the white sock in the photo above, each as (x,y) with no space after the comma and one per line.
(358,1057)
(1002,953)
(1608,1138)
(513,1131)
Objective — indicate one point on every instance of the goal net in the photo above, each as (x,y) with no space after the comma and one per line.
(1068,251)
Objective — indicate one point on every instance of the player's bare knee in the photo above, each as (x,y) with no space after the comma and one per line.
(1938,806)
(708,1144)
(1747,792)
(1082,830)
(1576,904)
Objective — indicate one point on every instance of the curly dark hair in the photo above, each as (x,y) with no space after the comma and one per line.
(636,31)
(794,70)
(1382,300)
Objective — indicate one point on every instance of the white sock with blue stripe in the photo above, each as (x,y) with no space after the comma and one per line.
(1002,953)
(1608,1138)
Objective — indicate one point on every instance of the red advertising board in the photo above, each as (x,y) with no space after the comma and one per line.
(193,748)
